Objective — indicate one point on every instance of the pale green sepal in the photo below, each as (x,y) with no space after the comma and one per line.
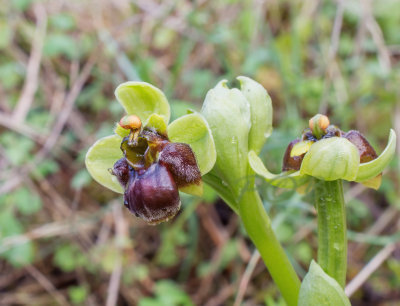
(376,166)
(260,111)
(120,131)
(194,130)
(193,189)
(319,289)
(284,180)
(331,159)
(157,123)
(101,157)
(374,182)
(142,99)
(227,112)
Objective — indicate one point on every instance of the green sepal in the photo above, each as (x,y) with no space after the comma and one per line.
(157,123)
(373,168)
(102,156)
(142,99)
(260,111)
(227,112)
(287,179)
(319,289)
(120,131)
(193,130)
(331,159)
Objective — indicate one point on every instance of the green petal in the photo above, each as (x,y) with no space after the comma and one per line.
(142,99)
(371,169)
(331,159)
(318,289)
(157,123)
(284,180)
(193,130)
(260,110)
(120,131)
(194,189)
(101,157)
(227,112)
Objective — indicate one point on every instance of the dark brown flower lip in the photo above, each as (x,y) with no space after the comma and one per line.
(151,171)
(152,194)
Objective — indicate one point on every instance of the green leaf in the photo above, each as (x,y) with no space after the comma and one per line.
(227,112)
(289,180)
(193,130)
(371,169)
(261,112)
(26,201)
(101,157)
(143,99)
(331,159)
(319,289)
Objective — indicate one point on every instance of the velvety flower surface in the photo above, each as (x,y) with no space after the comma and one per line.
(151,162)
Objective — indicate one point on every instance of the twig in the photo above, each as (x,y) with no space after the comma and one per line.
(370,268)
(31,82)
(244,282)
(331,63)
(47,285)
(121,235)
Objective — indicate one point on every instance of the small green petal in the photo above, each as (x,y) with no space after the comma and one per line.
(101,157)
(193,130)
(260,110)
(371,169)
(289,180)
(157,123)
(142,99)
(331,159)
(120,131)
(193,189)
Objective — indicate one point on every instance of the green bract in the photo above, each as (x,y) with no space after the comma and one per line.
(319,289)
(330,159)
(240,120)
(151,105)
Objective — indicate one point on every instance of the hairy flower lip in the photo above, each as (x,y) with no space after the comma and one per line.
(152,194)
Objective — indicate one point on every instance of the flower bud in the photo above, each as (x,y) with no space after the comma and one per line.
(152,194)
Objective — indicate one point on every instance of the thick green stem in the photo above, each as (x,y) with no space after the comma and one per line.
(258,226)
(332,239)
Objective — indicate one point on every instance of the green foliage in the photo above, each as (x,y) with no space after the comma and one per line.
(167,293)
(77,294)
(68,257)
(319,289)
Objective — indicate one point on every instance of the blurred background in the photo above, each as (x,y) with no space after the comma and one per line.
(66,240)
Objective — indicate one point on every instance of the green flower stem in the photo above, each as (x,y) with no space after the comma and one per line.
(258,227)
(332,239)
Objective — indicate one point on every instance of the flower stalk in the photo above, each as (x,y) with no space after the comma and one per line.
(258,226)
(332,238)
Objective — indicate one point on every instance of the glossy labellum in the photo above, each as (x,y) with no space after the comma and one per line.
(152,194)
(151,172)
